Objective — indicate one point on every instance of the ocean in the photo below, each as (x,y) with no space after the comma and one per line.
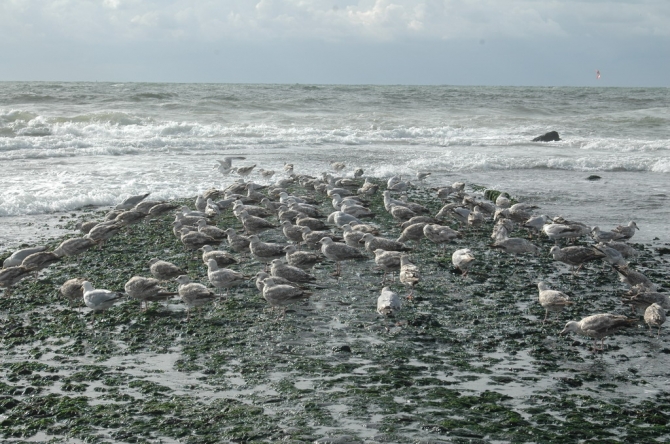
(67,145)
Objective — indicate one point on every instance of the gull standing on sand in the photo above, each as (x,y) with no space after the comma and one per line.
(440,234)
(388,302)
(409,274)
(552,300)
(253,224)
(626,231)
(147,290)
(164,270)
(237,243)
(18,256)
(222,258)
(301,259)
(262,275)
(633,278)
(575,256)
(389,261)
(516,245)
(40,261)
(560,231)
(598,326)
(352,237)
(223,277)
(654,316)
(265,252)
(210,230)
(194,240)
(604,236)
(644,299)
(72,290)
(280,295)
(193,294)
(413,233)
(289,272)
(338,252)
(372,243)
(99,300)
(462,260)
(74,246)
(13,275)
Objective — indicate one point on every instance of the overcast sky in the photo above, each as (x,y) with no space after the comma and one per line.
(457,42)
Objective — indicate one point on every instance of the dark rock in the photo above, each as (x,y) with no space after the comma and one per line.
(593,177)
(342,349)
(663,250)
(551,136)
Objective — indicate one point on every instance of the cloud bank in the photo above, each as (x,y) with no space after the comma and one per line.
(610,29)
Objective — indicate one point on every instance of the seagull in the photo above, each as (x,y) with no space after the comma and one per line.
(12,275)
(462,260)
(368,188)
(265,252)
(388,302)
(226,165)
(626,231)
(645,299)
(40,261)
(339,252)
(413,233)
(238,243)
(352,237)
(289,272)
(193,294)
(421,175)
(253,224)
(261,276)
(98,300)
(164,270)
(279,295)
(74,246)
(515,245)
(131,201)
(244,171)
(633,278)
(146,290)
(222,258)
(372,243)
(605,236)
(72,289)
(18,256)
(301,259)
(575,256)
(389,261)
(440,234)
(598,326)
(559,231)
(654,316)
(338,166)
(552,300)
(409,274)
(210,230)
(194,240)
(223,277)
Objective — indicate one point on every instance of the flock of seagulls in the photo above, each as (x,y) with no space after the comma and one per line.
(314,232)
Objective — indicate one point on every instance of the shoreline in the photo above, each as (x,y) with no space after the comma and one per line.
(466,359)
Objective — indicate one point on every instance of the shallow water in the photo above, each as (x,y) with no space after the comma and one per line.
(66,145)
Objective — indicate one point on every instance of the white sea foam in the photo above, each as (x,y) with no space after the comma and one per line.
(59,154)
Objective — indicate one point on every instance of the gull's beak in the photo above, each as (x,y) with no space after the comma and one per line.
(564,331)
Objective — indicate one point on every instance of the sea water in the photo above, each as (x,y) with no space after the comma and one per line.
(67,145)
